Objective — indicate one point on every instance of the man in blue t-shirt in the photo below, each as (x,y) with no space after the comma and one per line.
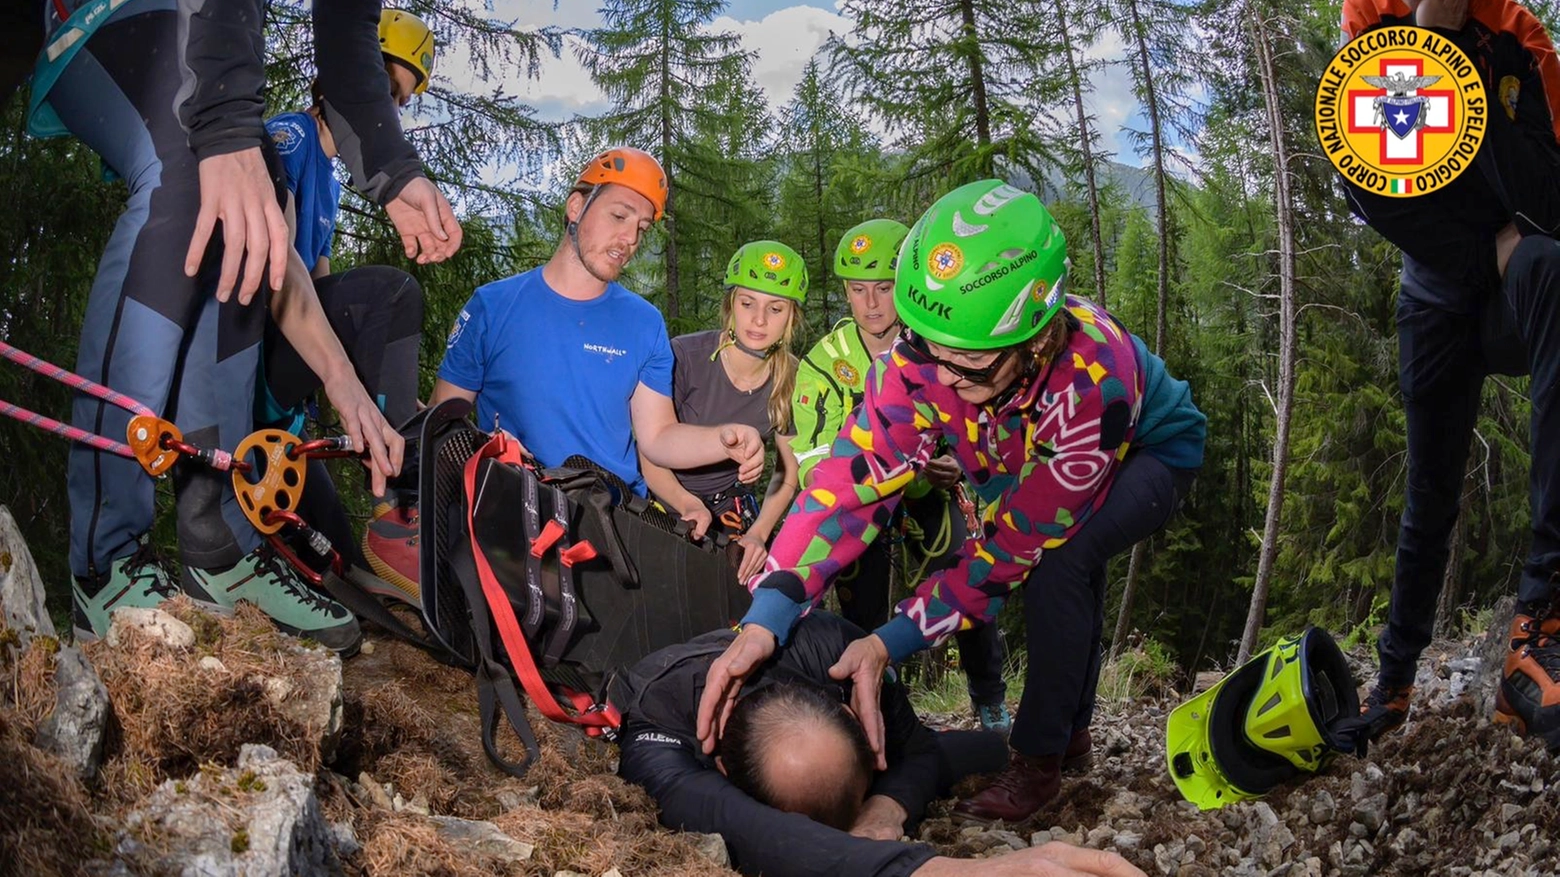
(571,362)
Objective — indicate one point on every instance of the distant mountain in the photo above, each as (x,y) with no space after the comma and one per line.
(1137,183)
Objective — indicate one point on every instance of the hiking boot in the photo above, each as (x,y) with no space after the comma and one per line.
(135,581)
(1079,756)
(1028,783)
(390,547)
(994,717)
(267,581)
(1529,694)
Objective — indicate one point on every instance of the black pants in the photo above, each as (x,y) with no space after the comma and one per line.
(377,312)
(865,598)
(1064,603)
(1443,358)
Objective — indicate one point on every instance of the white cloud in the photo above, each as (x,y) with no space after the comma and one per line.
(783,42)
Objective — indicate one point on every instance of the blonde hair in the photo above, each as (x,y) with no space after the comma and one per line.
(780,358)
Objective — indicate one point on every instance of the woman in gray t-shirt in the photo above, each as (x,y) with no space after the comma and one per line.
(743,372)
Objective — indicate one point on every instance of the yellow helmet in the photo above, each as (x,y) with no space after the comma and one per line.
(403,37)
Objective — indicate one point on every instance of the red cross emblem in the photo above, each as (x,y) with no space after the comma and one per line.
(1439,110)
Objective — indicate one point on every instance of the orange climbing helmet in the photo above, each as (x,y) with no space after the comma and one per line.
(627,166)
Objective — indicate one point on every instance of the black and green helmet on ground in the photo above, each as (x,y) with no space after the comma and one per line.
(769,267)
(1273,718)
(984,267)
(869,250)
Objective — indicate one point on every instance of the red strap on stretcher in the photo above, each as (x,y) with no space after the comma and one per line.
(594,717)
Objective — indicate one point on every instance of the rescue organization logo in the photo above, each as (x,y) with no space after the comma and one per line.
(944,261)
(846,373)
(860,243)
(1400,111)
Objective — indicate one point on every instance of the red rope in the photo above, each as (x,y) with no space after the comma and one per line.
(80,435)
(73,380)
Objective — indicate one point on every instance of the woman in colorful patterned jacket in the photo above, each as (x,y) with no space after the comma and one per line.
(1076,439)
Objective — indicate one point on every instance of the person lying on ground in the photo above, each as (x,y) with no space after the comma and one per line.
(792,787)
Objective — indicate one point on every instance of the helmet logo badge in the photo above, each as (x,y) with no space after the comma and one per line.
(944,261)
(965,229)
(860,244)
(774,261)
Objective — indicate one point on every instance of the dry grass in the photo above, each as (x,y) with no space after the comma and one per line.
(47,827)
(173,717)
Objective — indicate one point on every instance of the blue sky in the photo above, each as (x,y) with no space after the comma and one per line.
(782,34)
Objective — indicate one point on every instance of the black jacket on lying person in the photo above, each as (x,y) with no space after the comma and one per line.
(659,699)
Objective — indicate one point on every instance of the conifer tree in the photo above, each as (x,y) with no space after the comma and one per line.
(673,80)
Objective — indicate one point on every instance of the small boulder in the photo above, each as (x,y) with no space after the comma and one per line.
(153,623)
(74,731)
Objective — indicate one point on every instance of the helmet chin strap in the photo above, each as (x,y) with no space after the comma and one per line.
(731,337)
(574,227)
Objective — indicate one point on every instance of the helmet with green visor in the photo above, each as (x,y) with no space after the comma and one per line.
(1270,720)
(769,267)
(985,267)
(870,250)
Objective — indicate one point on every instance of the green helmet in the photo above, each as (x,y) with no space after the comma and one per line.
(984,267)
(1271,719)
(770,267)
(870,250)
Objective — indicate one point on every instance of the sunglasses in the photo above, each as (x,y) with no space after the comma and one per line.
(982,375)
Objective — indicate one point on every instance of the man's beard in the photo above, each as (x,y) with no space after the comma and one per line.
(601,267)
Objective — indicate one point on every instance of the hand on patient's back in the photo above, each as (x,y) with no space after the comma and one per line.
(752,647)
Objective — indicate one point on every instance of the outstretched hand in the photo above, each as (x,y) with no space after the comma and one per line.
(743,444)
(365,424)
(236,190)
(1054,859)
(1444,14)
(423,218)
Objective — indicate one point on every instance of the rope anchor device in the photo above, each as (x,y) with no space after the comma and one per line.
(155,443)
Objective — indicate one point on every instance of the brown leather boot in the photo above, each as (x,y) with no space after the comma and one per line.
(1079,756)
(1529,694)
(1028,783)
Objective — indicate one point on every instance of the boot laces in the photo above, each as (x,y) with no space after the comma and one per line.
(270,564)
(1012,779)
(144,568)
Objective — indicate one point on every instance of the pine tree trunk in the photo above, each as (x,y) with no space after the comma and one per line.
(1156,135)
(1140,550)
(823,244)
(673,293)
(978,92)
(1076,81)
(1268,75)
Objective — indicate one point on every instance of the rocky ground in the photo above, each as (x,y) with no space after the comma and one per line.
(191,745)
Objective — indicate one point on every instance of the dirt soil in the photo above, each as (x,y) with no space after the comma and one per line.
(1449,794)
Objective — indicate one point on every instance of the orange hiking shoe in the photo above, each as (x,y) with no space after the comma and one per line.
(1529,694)
(390,547)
